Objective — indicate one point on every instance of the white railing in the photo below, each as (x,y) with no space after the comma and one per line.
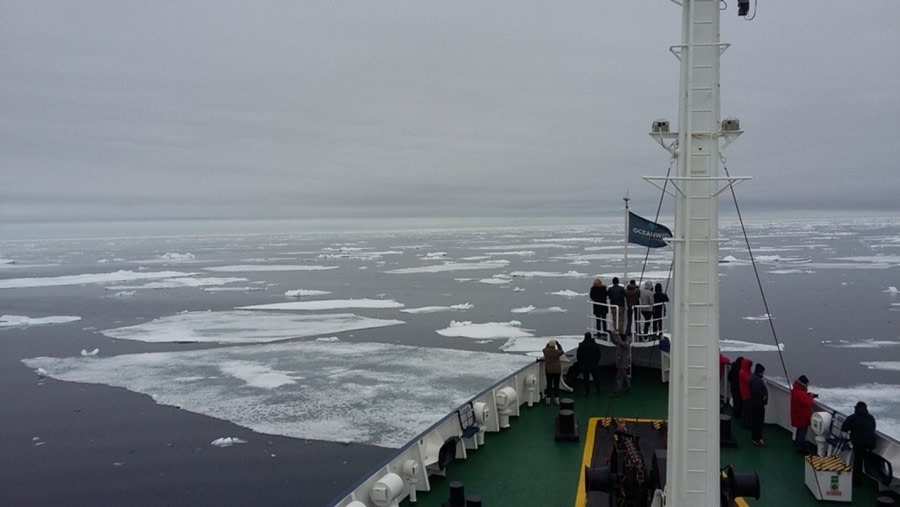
(643,329)
(409,470)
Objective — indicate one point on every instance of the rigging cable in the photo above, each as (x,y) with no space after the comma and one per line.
(758,280)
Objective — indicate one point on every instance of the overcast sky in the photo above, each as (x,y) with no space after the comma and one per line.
(327,109)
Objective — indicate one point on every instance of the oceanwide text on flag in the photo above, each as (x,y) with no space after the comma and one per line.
(644,232)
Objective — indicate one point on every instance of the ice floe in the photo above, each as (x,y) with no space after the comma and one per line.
(23,321)
(655,276)
(764,318)
(438,309)
(531,274)
(177,283)
(521,253)
(882,365)
(496,280)
(534,346)
(371,393)
(243,327)
(485,331)
(531,246)
(258,375)
(113,277)
(227,442)
(299,293)
(86,353)
(532,309)
(568,293)
(239,268)
(451,266)
(863,344)
(327,304)
(742,346)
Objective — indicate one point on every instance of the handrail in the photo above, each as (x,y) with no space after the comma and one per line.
(655,326)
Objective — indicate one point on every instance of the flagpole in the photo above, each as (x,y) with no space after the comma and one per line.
(625,281)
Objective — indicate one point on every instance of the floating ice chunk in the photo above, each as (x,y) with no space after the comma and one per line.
(533,346)
(176,283)
(257,375)
(520,253)
(299,293)
(227,441)
(372,393)
(231,289)
(864,344)
(116,276)
(243,327)
(123,294)
(518,289)
(328,339)
(496,280)
(327,304)
(530,274)
(451,266)
(174,256)
(528,246)
(763,317)
(567,293)
(85,353)
(437,309)
(23,321)
(741,346)
(892,290)
(655,276)
(882,365)
(269,267)
(435,255)
(532,309)
(485,331)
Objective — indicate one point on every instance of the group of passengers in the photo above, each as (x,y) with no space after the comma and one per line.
(750,395)
(628,305)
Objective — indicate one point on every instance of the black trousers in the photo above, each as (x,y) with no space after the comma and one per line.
(757,417)
(594,373)
(859,453)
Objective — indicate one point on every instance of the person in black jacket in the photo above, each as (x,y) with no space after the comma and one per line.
(598,296)
(756,404)
(861,426)
(588,356)
(617,299)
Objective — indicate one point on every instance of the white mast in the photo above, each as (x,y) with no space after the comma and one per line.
(626,199)
(692,468)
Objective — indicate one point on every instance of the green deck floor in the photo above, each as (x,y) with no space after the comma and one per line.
(524,465)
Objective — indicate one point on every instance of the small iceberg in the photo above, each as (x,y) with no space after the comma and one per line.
(227,441)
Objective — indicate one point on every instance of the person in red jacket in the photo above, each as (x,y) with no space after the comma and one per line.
(744,381)
(801,411)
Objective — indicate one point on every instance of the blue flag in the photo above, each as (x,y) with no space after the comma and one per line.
(644,232)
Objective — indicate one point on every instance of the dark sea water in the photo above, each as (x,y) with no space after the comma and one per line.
(164,306)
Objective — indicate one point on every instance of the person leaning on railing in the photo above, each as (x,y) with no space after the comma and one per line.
(861,426)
